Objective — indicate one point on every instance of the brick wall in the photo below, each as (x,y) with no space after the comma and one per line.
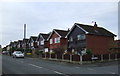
(99,44)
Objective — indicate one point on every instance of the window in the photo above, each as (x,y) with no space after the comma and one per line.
(57,40)
(81,37)
(31,44)
(51,41)
(46,49)
(38,43)
(78,37)
(42,42)
(71,39)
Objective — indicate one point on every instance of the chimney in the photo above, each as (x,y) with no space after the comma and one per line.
(95,25)
(68,29)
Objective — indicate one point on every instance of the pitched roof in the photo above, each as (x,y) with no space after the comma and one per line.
(45,36)
(20,41)
(62,33)
(25,40)
(94,30)
(34,38)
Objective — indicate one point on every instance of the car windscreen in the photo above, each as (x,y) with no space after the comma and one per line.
(18,52)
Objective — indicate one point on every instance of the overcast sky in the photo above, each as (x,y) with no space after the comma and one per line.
(43,17)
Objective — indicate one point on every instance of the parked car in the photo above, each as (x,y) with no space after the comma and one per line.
(5,52)
(18,54)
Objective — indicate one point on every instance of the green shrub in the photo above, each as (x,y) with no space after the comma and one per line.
(88,51)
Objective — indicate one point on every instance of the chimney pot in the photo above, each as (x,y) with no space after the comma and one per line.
(95,25)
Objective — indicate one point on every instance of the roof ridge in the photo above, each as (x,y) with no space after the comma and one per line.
(60,30)
(88,25)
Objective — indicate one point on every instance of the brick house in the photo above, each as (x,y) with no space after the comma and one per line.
(40,41)
(57,41)
(15,44)
(25,43)
(32,44)
(94,38)
(116,47)
(19,45)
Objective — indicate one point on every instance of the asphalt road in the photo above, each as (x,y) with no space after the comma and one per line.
(37,66)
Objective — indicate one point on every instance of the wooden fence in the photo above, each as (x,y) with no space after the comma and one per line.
(74,57)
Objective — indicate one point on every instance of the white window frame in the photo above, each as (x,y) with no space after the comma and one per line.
(46,49)
(51,41)
(37,42)
(78,37)
(42,42)
(81,37)
(31,43)
(57,40)
(71,38)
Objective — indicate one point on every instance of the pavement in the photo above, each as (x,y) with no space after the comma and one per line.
(39,66)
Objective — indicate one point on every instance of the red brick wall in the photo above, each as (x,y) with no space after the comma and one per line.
(63,41)
(46,44)
(98,44)
(35,45)
(53,45)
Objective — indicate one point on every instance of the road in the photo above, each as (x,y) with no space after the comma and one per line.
(38,66)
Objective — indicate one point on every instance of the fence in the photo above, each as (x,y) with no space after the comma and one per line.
(74,57)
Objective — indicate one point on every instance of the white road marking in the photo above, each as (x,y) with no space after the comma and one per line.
(91,69)
(112,73)
(77,67)
(58,72)
(35,66)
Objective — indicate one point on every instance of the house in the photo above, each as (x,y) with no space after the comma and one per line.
(25,43)
(57,41)
(15,44)
(116,47)
(19,45)
(87,37)
(32,44)
(118,43)
(40,41)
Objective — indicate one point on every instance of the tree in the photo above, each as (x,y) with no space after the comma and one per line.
(113,47)
(88,51)
(59,49)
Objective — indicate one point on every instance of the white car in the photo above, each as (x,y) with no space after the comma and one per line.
(18,54)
